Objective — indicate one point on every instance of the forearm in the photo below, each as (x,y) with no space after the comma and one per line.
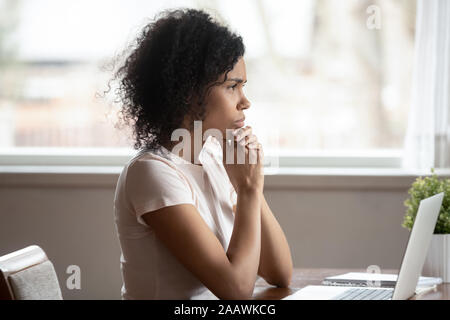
(245,243)
(275,259)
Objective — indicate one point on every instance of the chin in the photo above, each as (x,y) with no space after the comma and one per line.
(238,125)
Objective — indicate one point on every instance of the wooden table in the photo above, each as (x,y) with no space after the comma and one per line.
(303,277)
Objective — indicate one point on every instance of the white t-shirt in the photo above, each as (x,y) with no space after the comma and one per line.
(153,180)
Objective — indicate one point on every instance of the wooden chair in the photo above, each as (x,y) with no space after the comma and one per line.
(27,274)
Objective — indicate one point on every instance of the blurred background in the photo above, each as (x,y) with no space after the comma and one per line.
(345,93)
(319,78)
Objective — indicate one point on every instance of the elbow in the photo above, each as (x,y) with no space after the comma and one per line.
(237,294)
(240,290)
(243,294)
(284,282)
(281,280)
(286,279)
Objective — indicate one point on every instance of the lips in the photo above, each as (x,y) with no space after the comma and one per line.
(240,123)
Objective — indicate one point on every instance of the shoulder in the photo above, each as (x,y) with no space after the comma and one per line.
(153,182)
(149,161)
(151,166)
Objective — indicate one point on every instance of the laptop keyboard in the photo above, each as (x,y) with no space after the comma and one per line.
(365,294)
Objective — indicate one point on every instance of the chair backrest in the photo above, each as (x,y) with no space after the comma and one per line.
(27,274)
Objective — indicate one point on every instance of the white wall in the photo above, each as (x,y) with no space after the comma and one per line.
(330,221)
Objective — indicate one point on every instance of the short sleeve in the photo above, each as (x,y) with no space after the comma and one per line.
(153,184)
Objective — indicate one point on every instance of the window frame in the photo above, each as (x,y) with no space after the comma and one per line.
(104,157)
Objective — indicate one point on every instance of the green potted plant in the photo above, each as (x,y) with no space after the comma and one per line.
(437,263)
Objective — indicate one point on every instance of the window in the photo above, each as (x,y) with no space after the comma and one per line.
(322,81)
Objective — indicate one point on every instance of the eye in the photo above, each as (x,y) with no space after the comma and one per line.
(232,87)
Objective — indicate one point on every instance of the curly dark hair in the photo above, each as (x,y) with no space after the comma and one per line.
(177,58)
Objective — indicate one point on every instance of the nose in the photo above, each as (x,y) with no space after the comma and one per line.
(244,103)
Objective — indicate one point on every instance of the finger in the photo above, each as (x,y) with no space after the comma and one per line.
(240,153)
(242,133)
(251,141)
(254,145)
(228,152)
(248,140)
(258,147)
(252,156)
(260,155)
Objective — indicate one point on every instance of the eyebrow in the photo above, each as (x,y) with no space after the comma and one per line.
(238,80)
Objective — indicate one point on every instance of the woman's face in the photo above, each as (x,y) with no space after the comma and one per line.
(226,103)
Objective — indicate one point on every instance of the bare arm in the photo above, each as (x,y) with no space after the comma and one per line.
(275,260)
(245,244)
(229,275)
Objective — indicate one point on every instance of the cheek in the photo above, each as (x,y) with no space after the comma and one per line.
(218,121)
(221,110)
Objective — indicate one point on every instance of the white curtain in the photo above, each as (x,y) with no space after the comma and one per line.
(427,143)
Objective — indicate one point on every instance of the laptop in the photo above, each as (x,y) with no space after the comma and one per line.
(410,270)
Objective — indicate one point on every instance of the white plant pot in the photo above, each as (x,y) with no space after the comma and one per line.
(437,263)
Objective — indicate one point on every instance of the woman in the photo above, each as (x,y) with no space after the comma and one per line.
(191,221)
